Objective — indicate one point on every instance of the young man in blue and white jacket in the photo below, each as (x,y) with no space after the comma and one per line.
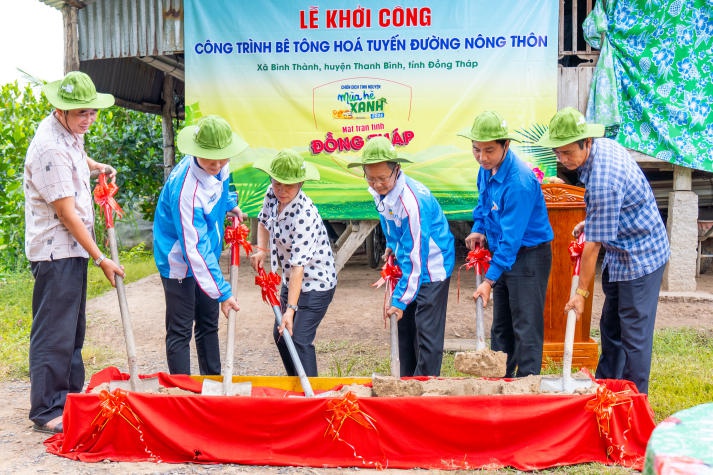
(188,240)
(418,235)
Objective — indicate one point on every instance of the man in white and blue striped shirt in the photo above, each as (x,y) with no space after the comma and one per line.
(621,217)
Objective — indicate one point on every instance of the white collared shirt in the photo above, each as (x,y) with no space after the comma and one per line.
(55,167)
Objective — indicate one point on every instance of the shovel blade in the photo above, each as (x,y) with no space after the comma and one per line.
(563,385)
(148,385)
(212,387)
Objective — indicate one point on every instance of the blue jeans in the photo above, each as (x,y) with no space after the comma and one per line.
(627,328)
(312,308)
(58,326)
(518,311)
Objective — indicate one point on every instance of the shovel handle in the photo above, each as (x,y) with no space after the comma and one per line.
(394,337)
(569,340)
(125,315)
(304,381)
(230,345)
(479,325)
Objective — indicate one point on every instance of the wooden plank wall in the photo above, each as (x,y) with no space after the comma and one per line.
(573,87)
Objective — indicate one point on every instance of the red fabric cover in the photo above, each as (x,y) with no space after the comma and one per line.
(527,432)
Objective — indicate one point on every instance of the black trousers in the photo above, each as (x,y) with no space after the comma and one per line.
(518,311)
(422,330)
(187,305)
(59,321)
(312,308)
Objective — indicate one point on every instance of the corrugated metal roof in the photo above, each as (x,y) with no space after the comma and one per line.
(128,46)
(126,28)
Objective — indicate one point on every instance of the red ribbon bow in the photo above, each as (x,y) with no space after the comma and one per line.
(602,405)
(575,253)
(111,405)
(348,408)
(390,274)
(343,409)
(104,196)
(237,235)
(479,260)
(268,283)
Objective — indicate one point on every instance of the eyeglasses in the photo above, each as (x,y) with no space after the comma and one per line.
(380,181)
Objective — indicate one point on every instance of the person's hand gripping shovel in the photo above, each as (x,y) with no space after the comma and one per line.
(236,236)
(484,362)
(566,383)
(268,283)
(390,275)
(104,197)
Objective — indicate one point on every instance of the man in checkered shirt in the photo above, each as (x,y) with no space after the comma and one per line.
(621,217)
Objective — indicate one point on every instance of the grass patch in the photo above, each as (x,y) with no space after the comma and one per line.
(681,370)
(16,310)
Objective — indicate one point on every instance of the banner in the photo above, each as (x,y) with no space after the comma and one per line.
(323,79)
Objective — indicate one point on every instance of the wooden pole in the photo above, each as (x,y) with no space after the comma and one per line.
(71,39)
(169,152)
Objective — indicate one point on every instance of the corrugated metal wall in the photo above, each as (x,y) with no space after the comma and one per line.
(130,28)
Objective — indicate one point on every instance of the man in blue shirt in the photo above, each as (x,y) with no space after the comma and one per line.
(418,235)
(621,217)
(511,217)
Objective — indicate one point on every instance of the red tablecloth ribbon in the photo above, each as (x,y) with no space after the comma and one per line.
(602,405)
(236,236)
(342,410)
(268,282)
(477,259)
(104,196)
(575,253)
(114,404)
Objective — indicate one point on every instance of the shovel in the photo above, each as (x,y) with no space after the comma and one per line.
(566,383)
(479,324)
(104,197)
(390,275)
(235,235)
(268,283)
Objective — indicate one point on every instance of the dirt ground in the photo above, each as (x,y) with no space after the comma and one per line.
(352,327)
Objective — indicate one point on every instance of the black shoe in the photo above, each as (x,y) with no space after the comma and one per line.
(58,429)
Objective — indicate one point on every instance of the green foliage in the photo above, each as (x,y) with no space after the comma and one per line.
(20,113)
(130,141)
(16,310)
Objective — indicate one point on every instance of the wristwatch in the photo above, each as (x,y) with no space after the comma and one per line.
(98,260)
(583,292)
(490,281)
(293,307)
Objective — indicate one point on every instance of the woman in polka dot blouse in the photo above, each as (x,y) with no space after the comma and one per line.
(291,228)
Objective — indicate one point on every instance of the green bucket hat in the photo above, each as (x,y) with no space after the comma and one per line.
(210,138)
(287,167)
(76,91)
(567,126)
(378,149)
(487,127)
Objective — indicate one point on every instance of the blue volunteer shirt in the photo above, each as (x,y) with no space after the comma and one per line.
(621,213)
(417,231)
(511,212)
(188,226)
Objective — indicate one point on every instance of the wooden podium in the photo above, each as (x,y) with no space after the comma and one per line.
(565,206)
